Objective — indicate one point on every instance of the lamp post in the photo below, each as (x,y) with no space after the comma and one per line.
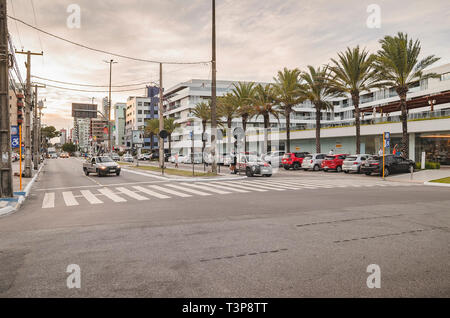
(110,62)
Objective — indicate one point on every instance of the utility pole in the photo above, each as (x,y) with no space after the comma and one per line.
(6,188)
(108,116)
(41,106)
(37,153)
(161,118)
(213,93)
(27,171)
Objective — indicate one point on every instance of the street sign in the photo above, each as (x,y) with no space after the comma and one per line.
(238,133)
(387,139)
(14,130)
(15,142)
(191,135)
(163,134)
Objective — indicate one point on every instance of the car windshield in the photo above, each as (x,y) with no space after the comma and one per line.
(351,158)
(104,159)
(329,157)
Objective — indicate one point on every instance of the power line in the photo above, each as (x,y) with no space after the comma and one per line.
(35,22)
(103,51)
(90,85)
(88,91)
(17,26)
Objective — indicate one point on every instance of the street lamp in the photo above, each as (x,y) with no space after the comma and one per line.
(110,62)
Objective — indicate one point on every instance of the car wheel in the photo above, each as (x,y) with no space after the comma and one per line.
(346,171)
(305,169)
(326,170)
(296,166)
(248,173)
(368,173)
(267,175)
(339,169)
(99,173)
(86,172)
(386,172)
(118,173)
(286,168)
(316,168)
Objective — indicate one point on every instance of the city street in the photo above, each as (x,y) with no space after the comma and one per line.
(296,234)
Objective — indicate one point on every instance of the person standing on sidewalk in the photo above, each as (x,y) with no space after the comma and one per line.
(176,160)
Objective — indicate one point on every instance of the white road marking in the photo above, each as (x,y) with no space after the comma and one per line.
(132,194)
(88,195)
(279,184)
(206,188)
(183,195)
(152,193)
(186,189)
(209,184)
(69,199)
(111,195)
(259,185)
(232,184)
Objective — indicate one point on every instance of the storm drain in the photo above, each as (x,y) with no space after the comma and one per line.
(244,255)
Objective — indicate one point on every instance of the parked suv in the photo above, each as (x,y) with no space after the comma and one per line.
(353,163)
(333,162)
(392,164)
(293,160)
(313,161)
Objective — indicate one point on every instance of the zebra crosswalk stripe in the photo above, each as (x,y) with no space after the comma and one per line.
(230,188)
(186,189)
(253,184)
(88,195)
(280,184)
(232,184)
(69,199)
(49,200)
(180,194)
(205,188)
(132,194)
(152,193)
(272,185)
(111,195)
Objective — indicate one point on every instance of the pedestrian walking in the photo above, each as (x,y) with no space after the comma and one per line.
(176,160)
(331,152)
(380,152)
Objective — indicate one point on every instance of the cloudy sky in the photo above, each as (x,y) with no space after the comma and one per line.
(255,38)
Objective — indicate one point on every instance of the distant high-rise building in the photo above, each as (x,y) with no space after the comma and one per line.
(62,136)
(119,124)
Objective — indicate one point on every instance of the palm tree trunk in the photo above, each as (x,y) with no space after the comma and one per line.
(266,133)
(404,119)
(229,123)
(355,99)
(203,140)
(317,129)
(170,144)
(244,126)
(287,114)
(151,142)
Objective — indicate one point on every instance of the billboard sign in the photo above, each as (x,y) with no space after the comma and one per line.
(84,110)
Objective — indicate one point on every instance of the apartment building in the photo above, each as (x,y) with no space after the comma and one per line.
(119,124)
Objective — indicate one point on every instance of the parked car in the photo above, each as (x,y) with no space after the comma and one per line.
(333,162)
(273,157)
(114,156)
(392,164)
(251,165)
(313,162)
(197,158)
(127,158)
(293,160)
(64,155)
(145,156)
(183,158)
(15,157)
(353,163)
(102,166)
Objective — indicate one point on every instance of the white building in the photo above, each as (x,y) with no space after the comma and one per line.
(119,124)
(62,136)
(82,128)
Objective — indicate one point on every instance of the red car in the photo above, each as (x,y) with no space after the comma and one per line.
(333,162)
(293,160)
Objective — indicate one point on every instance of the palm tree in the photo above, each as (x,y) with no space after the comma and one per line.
(398,66)
(244,93)
(170,126)
(352,73)
(227,107)
(264,104)
(317,89)
(152,129)
(202,111)
(288,94)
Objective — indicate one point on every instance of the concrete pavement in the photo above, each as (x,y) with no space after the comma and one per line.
(314,240)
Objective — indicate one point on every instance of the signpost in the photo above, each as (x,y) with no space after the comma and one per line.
(163,134)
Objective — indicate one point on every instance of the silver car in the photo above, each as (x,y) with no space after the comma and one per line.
(313,162)
(274,157)
(253,165)
(353,163)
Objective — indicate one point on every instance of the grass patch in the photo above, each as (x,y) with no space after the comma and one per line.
(176,172)
(443,180)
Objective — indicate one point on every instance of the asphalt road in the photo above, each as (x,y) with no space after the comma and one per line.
(144,236)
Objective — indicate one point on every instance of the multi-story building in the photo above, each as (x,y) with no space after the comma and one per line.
(98,132)
(105,108)
(62,136)
(138,110)
(81,132)
(119,124)
(428,120)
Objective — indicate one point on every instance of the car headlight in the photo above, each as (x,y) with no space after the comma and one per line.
(102,167)
(118,167)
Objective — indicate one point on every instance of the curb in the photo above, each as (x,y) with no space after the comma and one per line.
(21,198)
(436,184)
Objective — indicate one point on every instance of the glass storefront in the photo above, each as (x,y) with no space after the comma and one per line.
(435,145)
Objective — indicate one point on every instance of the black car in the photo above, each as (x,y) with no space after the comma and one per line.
(392,164)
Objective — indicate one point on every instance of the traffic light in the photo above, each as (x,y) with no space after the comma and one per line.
(20,105)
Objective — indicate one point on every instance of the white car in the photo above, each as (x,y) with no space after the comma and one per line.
(353,163)
(127,158)
(313,162)
(273,157)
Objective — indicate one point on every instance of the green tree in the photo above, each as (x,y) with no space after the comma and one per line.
(264,104)
(398,66)
(69,147)
(227,107)
(202,111)
(353,72)
(170,126)
(317,89)
(48,133)
(288,93)
(152,129)
(244,93)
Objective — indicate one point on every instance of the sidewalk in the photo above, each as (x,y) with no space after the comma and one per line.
(10,205)
(422,176)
